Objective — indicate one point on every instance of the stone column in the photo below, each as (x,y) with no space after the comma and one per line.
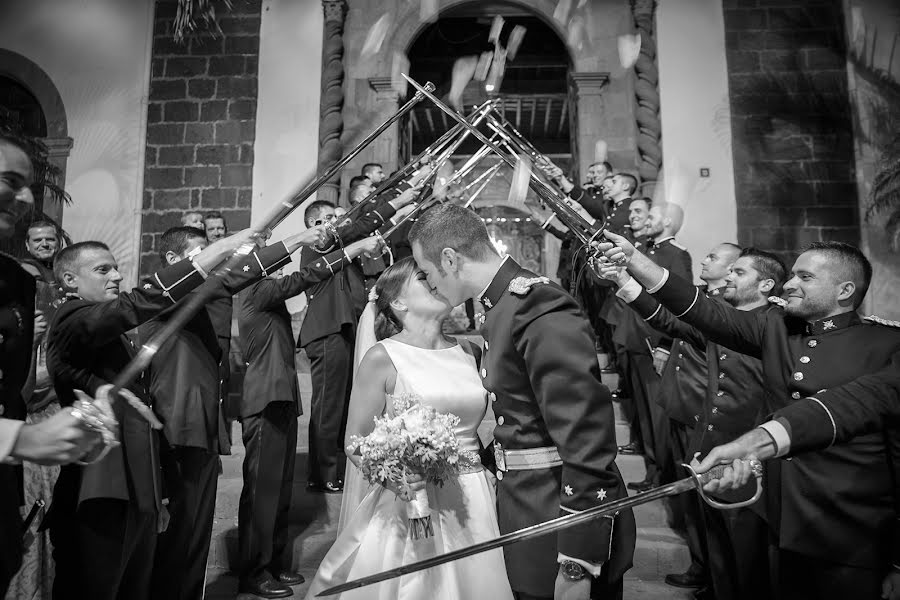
(387,101)
(587,114)
(331,120)
(58,150)
(646,90)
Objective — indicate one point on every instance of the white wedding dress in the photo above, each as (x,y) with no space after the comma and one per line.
(463,511)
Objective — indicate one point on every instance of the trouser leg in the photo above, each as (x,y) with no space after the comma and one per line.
(288,424)
(331,370)
(644,386)
(811,578)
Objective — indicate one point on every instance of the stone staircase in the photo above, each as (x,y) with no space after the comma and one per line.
(314,517)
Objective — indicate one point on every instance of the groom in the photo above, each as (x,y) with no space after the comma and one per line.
(555,437)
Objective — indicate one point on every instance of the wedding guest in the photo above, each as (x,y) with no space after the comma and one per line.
(42,243)
(375,172)
(270,406)
(105,516)
(193,219)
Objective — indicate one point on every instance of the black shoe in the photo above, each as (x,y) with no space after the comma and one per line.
(289,578)
(705,593)
(265,588)
(688,579)
(630,448)
(640,486)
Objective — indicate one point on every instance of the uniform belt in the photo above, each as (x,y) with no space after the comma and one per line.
(526,459)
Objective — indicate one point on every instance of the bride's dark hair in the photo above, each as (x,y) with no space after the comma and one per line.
(388,288)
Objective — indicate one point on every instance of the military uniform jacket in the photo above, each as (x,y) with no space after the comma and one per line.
(87,348)
(631,331)
(339,300)
(838,504)
(684,381)
(541,372)
(267,341)
(184,373)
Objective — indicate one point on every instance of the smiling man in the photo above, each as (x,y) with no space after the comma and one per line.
(555,440)
(839,534)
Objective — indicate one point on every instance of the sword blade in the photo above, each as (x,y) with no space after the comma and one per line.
(526,533)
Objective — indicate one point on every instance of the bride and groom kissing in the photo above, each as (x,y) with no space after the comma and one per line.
(554,442)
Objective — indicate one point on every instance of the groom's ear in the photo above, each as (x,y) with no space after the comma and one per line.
(449,260)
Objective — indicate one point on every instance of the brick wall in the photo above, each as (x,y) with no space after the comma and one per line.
(791,123)
(201,124)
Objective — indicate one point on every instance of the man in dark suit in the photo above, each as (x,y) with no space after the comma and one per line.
(839,510)
(106,515)
(555,438)
(269,408)
(328,334)
(734,399)
(184,383)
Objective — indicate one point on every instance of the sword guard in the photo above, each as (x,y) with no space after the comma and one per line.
(716,473)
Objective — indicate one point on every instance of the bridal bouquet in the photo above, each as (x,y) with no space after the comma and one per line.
(417,439)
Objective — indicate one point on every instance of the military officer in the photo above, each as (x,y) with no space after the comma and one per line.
(554,441)
(105,516)
(838,511)
(734,399)
(329,330)
(270,405)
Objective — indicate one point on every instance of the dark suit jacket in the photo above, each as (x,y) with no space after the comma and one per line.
(86,348)
(839,504)
(339,300)
(17,288)
(540,369)
(184,373)
(267,341)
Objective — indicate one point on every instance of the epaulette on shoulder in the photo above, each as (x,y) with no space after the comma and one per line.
(778,301)
(522,285)
(677,245)
(880,321)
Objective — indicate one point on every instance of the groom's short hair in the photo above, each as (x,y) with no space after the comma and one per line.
(451,226)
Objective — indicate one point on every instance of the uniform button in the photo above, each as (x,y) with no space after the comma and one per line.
(723,357)
(812,343)
(720,394)
(492,396)
(500,420)
(486,345)
(795,395)
(484,372)
(709,427)
(681,356)
(721,375)
(681,342)
(2,338)
(798,376)
(499,475)
(696,417)
(804,359)
(311,296)
(715,410)
(678,368)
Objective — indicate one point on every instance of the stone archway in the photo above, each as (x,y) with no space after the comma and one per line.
(17,67)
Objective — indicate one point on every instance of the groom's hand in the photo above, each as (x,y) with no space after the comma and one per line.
(566,589)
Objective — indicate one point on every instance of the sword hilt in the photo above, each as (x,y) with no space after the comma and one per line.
(718,472)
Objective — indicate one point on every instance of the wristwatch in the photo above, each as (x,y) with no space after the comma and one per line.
(572,571)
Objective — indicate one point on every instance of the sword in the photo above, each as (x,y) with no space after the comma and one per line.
(692,482)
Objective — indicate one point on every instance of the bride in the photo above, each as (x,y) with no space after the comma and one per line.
(414,357)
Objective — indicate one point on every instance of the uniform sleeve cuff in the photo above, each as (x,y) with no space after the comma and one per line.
(779,435)
(630,291)
(9,433)
(660,283)
(593,569)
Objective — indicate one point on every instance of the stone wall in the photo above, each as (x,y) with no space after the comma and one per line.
(201,124)
(791,123)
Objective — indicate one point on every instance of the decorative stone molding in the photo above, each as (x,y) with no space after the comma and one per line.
(384,87)
(589,84)
(646,90)
(331,120)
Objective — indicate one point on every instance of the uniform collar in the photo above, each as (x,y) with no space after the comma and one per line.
(715,291)
(658,241)
(833,323)
(509,268)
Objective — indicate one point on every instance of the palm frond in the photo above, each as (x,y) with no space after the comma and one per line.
(195,17)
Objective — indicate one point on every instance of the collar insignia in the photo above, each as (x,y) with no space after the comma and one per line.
(147,286)
(522,285)
(488,303)
(778,300)
(880,321)
(829,324)
(246,268)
